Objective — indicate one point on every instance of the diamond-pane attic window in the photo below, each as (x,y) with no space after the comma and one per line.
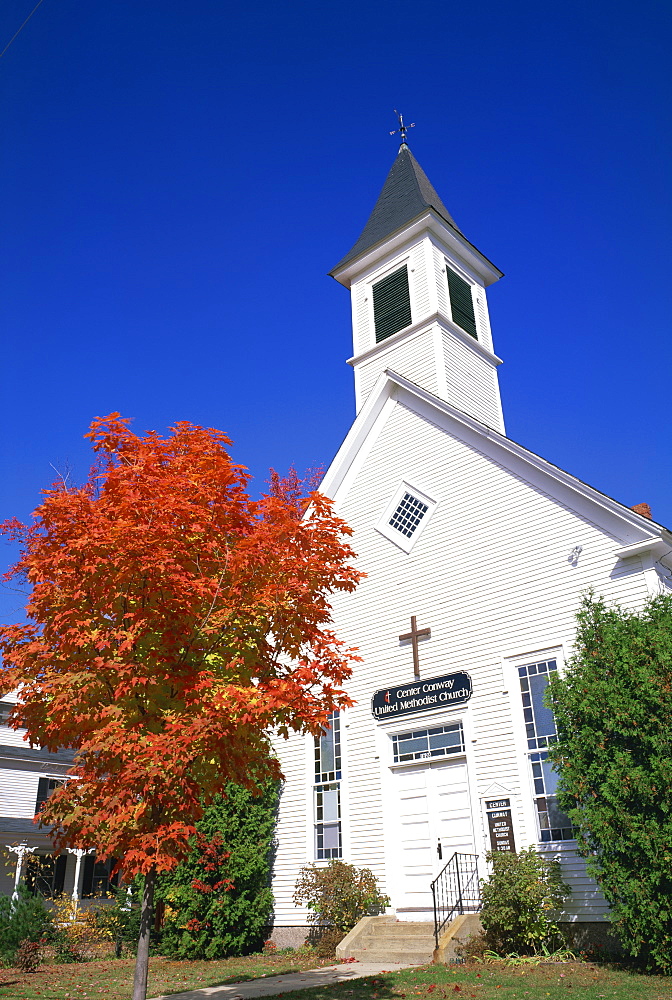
(408,514)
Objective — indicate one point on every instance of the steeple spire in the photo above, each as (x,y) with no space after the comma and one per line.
(407,193)
(419,304)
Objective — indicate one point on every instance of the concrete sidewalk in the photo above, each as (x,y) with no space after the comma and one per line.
(271,985)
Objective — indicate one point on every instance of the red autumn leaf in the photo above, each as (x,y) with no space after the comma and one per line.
(173,622)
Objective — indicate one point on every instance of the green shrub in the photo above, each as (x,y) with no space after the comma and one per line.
(521,900)
(614,760)
(25,920)
(120,920)
(339,895)
(218,902)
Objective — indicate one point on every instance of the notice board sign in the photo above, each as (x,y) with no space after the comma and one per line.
(500,825)
(435,692)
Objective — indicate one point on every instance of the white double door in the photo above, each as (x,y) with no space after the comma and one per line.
(433,808)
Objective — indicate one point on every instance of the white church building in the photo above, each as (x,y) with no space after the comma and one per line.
(476,553)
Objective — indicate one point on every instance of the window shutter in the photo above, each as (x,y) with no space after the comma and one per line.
(87,877)
(59,873)
(42,793)
(461,302)
(391,304)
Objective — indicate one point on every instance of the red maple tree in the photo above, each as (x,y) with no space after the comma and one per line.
(174,622)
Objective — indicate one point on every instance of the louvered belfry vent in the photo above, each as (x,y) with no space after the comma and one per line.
(391,304)
(461,302)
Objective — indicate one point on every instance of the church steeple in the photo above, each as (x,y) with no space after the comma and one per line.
(418,297)
(407,193)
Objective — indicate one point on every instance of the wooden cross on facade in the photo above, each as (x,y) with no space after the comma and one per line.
(415,634)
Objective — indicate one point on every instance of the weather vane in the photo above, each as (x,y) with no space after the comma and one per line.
(402,128)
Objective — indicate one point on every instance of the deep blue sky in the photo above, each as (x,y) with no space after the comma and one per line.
(177,179)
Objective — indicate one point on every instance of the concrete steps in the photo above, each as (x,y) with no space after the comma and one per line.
(386,939)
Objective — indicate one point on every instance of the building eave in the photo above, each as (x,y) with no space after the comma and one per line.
(428,220)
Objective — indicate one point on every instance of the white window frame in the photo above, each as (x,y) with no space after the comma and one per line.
(423,727)
(333,782)
(512,665)
(474,286)
(368,286)
(383,526)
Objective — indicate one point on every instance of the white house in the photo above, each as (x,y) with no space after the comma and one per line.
(476,552)
(28,775)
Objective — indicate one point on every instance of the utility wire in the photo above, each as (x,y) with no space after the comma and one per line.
(17,33)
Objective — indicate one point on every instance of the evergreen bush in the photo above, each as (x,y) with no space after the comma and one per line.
(614,758)
(521,902)
(218,902)
(28,919)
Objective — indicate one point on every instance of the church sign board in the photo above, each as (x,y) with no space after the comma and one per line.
(434,692)
(500,825)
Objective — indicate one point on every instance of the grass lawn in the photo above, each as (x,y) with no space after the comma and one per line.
(112,980)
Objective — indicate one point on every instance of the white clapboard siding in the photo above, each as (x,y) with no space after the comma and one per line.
(586,901)
(12,737)
(490,576)
(419,284)
(441,282)
(362,319)
(414,358)
(294,828)
(471,382)
(19,784)
(483,321)
(18,791)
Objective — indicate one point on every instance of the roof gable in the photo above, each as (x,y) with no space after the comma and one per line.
(632,528)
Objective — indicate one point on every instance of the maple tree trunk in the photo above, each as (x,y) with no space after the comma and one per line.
(142,959)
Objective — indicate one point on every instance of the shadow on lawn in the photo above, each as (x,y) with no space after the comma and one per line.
(381,984)
(242,978)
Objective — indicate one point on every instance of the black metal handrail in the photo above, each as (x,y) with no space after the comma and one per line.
(457,889)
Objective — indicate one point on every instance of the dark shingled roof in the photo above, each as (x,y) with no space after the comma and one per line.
(406,193)
(12,824)
(37,754)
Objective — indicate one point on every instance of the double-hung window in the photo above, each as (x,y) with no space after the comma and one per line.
(541,732)
(45,787)
(327,791)
(97,878)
